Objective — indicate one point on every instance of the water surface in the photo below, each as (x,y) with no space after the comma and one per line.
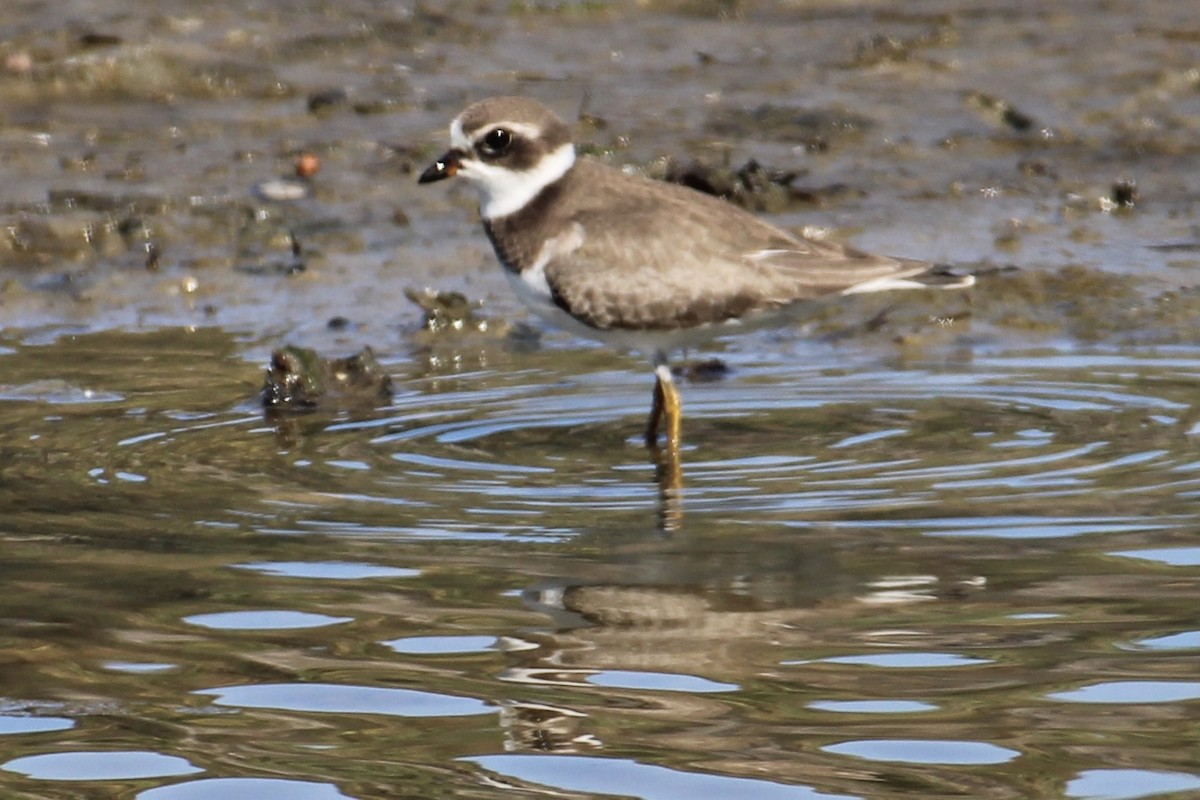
(492,592)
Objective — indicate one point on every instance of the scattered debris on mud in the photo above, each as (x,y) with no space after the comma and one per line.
(751,186)
(253,170)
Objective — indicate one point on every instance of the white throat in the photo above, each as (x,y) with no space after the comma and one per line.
(503,191)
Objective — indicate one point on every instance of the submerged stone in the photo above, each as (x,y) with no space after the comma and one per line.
(300,379)
(446,310)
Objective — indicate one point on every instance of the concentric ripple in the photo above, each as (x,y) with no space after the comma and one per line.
(804,440)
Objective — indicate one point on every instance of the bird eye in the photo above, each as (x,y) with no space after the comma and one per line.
(496,141)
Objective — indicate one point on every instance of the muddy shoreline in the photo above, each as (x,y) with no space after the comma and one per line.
(1059,142)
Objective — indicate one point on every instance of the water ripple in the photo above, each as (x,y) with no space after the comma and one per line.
(244,789)
(1132,692)
(331,698)
(629,778)
(924,751)
(1129,784)
(263,620)
(109,765)
(10,725)
(540,443)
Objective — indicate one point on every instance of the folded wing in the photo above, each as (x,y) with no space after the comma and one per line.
(679,259)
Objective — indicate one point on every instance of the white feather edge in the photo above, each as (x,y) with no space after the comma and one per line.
(894,284)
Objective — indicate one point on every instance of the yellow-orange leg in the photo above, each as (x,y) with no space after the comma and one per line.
(667,408)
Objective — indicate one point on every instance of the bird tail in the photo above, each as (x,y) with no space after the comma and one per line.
(945,276)
(939,276)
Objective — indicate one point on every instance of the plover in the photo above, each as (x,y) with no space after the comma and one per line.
(639,263)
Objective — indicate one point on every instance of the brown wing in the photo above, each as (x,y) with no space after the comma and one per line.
(665,257)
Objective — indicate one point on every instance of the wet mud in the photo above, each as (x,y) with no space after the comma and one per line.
(151,158)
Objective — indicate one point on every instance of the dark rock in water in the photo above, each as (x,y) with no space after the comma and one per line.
(726,182)
(95,39)
(1000,110)
(751,186)
(447,311)
(1125,194)
(299,379)
(294,379)
(706,371)
(327,101)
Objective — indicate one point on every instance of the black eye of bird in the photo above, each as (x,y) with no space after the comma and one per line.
(496,141)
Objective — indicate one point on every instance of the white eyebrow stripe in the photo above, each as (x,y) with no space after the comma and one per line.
(519,128)
(458,139)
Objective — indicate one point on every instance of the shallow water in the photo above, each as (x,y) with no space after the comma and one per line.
(960,577)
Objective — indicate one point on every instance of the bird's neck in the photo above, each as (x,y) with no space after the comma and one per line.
(506,194)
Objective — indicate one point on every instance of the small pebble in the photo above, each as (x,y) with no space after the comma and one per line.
(1125,194)
(307,165)
(20,63)
(327,100)
(283,189)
